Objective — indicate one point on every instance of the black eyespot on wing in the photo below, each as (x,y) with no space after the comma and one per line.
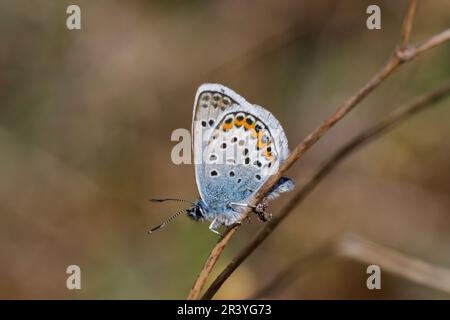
(211,122)
(258,177)
(223,145)
(229,120)
(258,163)
(239,180)
(234,139)
(247,160)
(258,128)
(245,151)
(213,173)
(231,173)
(203,123)
(249,120)
(240,117)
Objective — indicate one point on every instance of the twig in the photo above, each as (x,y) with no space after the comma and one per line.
(393,63)
(395,118)
(210,262)
(398,263)
(407,24)
(413,51)
(365,251)
(294,270)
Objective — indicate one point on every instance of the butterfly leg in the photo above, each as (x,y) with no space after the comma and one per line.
(260,209)
(214,225)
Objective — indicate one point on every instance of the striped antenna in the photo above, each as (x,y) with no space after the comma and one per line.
(170,199)
(167,221)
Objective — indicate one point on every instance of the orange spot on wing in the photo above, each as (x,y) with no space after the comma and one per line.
(238,123)
(260,144)
(268,155)
(255,134)
(249,126)
(227,126)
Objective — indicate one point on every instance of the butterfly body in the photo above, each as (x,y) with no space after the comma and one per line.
(237,146)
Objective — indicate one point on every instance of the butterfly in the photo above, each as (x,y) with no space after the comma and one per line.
(237,146)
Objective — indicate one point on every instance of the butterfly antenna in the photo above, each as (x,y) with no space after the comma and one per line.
(167,221)
(170,199)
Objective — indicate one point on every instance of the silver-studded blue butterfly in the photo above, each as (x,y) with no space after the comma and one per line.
(236,146)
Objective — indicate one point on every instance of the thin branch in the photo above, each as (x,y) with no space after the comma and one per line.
(365,251)
(393,63)
(407,24)
(294,270)
(413,51)
(210,262)
(398,263)
(382,127)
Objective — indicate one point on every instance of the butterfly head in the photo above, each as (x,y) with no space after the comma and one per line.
(196,212)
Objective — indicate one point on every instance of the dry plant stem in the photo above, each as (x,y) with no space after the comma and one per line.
(396,60)
(367,252)
(407,24)
(211,261)
(398,263)
(395,118)
(294,270)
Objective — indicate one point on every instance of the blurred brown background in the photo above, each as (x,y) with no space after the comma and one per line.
(85,124)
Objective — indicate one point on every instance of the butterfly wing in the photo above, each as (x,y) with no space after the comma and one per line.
(211,101)
(237,146)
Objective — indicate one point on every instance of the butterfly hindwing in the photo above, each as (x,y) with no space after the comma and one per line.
(237,146)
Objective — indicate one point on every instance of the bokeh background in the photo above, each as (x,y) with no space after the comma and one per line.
(86,118)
